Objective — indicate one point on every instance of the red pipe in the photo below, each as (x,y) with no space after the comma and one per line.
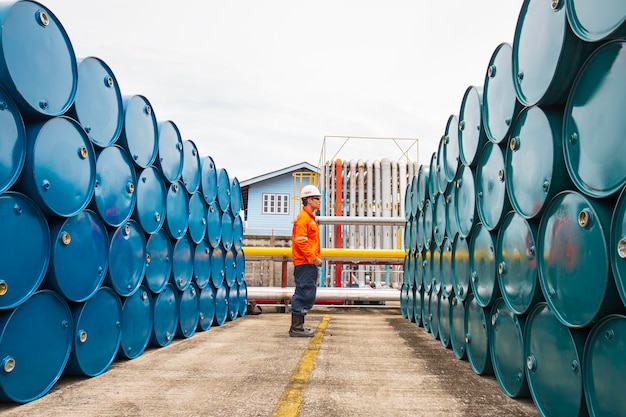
(338,212)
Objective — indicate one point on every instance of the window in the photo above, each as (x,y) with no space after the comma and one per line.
(275,203)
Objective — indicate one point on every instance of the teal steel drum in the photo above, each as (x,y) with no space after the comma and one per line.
(408,269)
(429,222)
(592,23)
(439,219)
(408,197)
(233,302)
(240,266)
(460,267)
(230,267)
(427,262)
(221,305)
(242,295)
(573,262)
(433,314)
(192,167)
(227,229)
(436,270)
(35,344)
(506,345)
(443,310)
(603,367)
(414,201)
(419,270)
(410,302)
(238,234)
(418,305)
(425,308)
(457,328)
(170,151)
(208,179)
(441,168)
(197,217)
(151,200)
(546,53)
(165,314)
(79,256)
(218,271)
(419,237)
(554,368)
(139,131)
(465,215)
(446,267)
(158,261)
(477,328)
(114,196)
(482,262)
(24,249)
(433,178)
(472,136)
(500,104)
(127,259)
(12,142)
(97,333)
(189,306)
(423,186)
(202,264)
(617,245)
(404,300)
(206,308)
(492,201)
(452,225)
(451,148)
(214,224)
(59,171)
(98,106)
(535,166)
(37,61)
(223,189)
(182,263)
(177,209)
(594,124)
(516,257)
(137,323)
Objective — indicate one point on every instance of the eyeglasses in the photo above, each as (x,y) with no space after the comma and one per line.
(315,198)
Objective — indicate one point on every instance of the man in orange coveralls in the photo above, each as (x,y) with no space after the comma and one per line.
(305,253)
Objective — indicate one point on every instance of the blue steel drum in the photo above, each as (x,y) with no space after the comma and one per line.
(227,229)
(240,266)
(242,295)
(423,187)
(546,53)
(12,142)
(457,327)
(433,178)
(492,201)
(197,217)
(452,225)
(37,61)
(238,232)
(573,262)
(182,263)
(482,262)
(472,136)
(208,180)
(439,219)
(554,365)
(114,190)
(165,314)
(460,267)
(603,367)
(59,171)
(444,320)
(446,267)
(221,305)
(151,200)
(35,344)
(428,222)
(139,133)
(592,23)
(159,255)
(127,259)
(506,344)
(236,201)
(465,214)
(202,265)
(433,314)
(233,302)
(218,271)
(516,257)
(189,305)
(177,209)
(451,148)
(206,308)
(535,167)
(170,151)
(79,256)
(137,323)
(477,329)
(500,105)
(24,248)
(98,106)
(97,333)
(617,245)
(230,267)
(223,189)
(594,151)
(192,167)
(214,224)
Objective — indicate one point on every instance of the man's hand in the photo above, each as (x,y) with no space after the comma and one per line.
(317,262)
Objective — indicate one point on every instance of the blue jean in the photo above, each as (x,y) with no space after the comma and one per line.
(303,299)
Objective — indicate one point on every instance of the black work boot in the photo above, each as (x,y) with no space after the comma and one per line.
(297,327)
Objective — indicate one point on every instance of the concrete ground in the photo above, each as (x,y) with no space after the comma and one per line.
(370,362)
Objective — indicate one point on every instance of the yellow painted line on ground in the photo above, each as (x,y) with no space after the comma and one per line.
(291,400)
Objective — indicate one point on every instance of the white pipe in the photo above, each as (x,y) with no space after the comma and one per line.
(386,184)
(326,293)
(377,206)
(401,193)
(360,201)
(378,221)
(370,199)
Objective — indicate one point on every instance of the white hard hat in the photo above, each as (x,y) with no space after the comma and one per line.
(310,191)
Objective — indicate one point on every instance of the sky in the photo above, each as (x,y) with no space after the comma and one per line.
(260,85)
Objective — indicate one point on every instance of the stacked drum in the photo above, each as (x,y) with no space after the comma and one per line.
(519,255)
(116,234)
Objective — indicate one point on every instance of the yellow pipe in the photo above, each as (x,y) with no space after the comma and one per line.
(328,253)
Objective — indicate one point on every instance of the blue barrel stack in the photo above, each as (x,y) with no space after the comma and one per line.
(112,226)
(535,176)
